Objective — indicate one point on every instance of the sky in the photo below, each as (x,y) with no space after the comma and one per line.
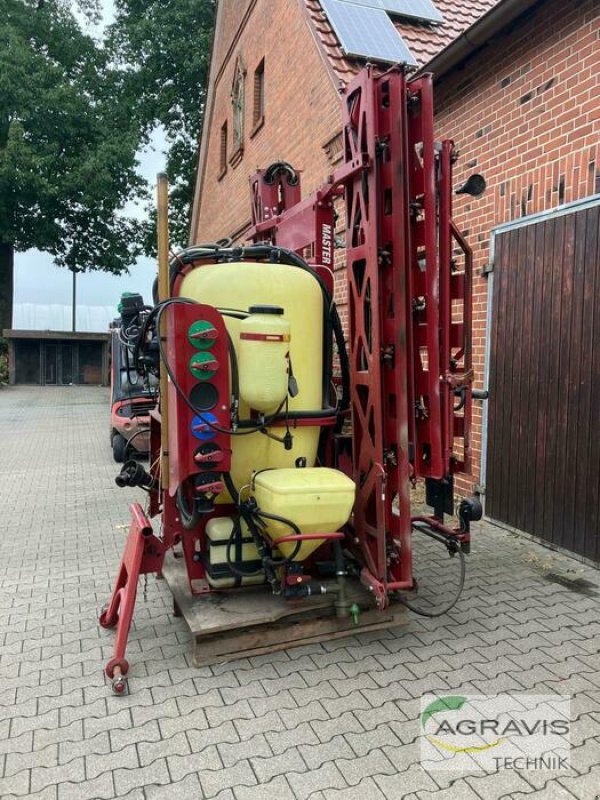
(38,280)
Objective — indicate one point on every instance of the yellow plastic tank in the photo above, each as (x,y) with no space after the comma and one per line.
(316,500)
(263,358)
(238,286)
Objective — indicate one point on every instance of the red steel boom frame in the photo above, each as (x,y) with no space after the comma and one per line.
(409,307)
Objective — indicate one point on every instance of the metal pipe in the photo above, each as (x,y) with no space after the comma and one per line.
(162,231)
(74,303)
(307,537)
(342,603)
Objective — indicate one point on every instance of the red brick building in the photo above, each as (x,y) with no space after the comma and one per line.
(517,89)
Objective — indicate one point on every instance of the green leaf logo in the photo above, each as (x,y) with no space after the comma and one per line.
(451,703)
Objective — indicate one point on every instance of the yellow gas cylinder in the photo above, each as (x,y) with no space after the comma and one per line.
(263,357)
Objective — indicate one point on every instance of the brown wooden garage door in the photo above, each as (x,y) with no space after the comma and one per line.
(543,462)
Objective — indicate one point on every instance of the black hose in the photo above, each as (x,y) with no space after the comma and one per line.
(280,166)
(255,429)
(189,518)
(131,438)
(446,541)
(125,350)
(249,518)
(231,563)
(298,544)
(322,413)
(235,373)
(340,341)
(155,312)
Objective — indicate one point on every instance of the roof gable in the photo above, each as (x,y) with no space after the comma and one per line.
(425,40)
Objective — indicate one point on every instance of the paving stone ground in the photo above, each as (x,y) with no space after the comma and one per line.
(334,721)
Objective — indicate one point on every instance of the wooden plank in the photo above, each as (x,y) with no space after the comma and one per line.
(506,396)
(233,625)
(542,312)
(514,442)
(525,455)
(499,350)
(590,469)
(217,612)
(562,481)
(283,636)
(572,539)
(551,340)
(582,521)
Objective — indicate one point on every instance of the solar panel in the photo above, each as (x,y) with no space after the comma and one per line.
(367,32)
(414,9)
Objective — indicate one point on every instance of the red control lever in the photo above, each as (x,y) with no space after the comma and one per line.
(207,333)
(216,487)
(201,427)
(206,366)
(212,457)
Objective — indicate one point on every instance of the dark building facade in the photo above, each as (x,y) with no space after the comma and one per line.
(56,358)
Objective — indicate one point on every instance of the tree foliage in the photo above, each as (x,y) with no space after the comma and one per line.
(74,112)
(165,47)
(67,143)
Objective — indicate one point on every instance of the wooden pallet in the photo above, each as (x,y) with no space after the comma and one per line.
(237,624)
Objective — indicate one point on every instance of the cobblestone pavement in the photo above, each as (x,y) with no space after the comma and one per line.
(332,721)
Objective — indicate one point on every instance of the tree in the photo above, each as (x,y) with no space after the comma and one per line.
(165,46)
(67,144)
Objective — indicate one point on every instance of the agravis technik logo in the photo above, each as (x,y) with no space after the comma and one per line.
(466,732)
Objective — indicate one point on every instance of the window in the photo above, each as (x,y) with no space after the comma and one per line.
(223,156)
(238,108)
(258,112)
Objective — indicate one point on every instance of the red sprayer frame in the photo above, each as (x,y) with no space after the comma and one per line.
(409,276)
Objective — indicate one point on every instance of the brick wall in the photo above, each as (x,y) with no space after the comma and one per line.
(302,110)
(525,113)
(232,15)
